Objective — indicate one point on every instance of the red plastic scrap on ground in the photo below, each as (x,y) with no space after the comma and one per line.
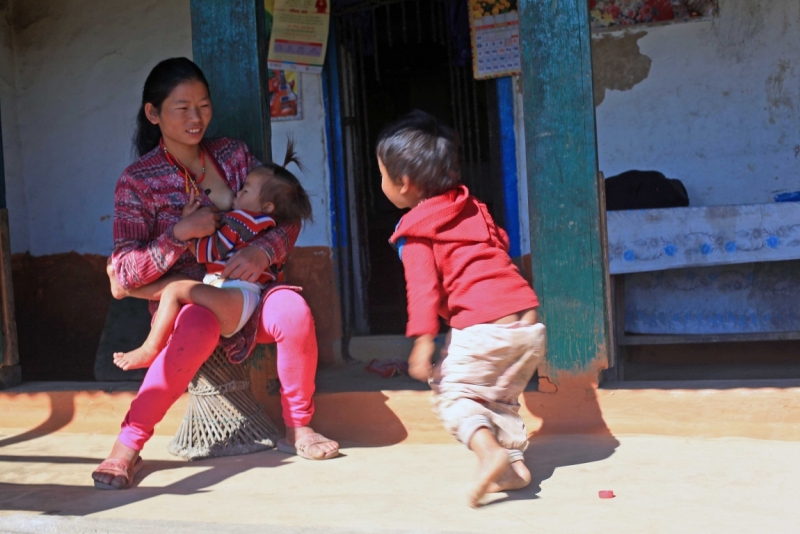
(388,368)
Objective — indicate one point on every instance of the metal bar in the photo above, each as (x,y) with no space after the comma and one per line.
(419,24)
(468,119)
(443,29)
(475,112)
(364,141)
(403,16)
(374,21)
(434,26)
(455,100)
(389,23)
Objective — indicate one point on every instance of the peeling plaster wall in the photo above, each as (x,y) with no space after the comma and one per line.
(718,106)
(12,153)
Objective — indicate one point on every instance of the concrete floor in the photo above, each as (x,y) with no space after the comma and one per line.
(662,484)
(703,456)
(708,457)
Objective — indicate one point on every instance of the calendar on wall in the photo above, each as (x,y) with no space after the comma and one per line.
(494,30)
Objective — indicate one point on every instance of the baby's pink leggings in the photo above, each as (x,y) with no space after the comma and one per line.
(285,320)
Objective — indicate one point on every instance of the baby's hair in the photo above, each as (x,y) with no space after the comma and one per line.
(284,190)
(420,147)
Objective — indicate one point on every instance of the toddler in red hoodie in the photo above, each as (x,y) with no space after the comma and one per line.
(457,266)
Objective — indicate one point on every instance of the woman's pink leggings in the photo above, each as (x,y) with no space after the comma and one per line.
(285,320)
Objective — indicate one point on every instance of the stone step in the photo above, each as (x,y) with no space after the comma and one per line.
(766,410)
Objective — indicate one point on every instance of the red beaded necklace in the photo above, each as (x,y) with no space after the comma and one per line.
(181,169)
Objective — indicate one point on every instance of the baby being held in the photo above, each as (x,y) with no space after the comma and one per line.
(271,194)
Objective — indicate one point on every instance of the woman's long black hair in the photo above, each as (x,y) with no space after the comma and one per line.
(164,77)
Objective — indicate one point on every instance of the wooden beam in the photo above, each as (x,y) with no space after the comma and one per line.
(229,42)
(570,275)
(681,339)
(10,374)
(9,370)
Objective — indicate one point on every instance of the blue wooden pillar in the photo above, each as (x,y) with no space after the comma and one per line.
(229,42)
(570,274)
(508,163)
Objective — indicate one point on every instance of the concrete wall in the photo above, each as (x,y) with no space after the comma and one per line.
(71,73)
(714,103)
(79,68)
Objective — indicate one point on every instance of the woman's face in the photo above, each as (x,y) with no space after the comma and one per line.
(185,113)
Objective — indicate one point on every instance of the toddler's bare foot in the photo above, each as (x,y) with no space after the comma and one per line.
(516,476)
(493,464)
(136,359)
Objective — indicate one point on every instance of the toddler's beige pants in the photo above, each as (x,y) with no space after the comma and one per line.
(479,381)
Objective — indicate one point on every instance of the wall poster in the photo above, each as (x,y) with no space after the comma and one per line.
(284,95)
(284,85)
(299,34)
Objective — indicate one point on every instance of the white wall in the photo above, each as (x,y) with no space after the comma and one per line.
(312,148)
(80,66)
(720,108)
(70,92)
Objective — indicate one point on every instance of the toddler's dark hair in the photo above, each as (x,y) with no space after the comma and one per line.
(284,190)
(419,147)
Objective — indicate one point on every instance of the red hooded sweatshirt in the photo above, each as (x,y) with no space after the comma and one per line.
(457,265)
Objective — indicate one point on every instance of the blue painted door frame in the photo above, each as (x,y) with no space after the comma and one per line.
(339,215)
(508,163)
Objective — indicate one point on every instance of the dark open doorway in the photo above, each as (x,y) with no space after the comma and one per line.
(393,57)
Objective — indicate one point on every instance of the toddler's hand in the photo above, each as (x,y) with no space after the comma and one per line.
(192,206)
(419,361)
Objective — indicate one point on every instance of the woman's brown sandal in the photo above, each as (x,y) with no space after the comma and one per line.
(301,447)
(118,468)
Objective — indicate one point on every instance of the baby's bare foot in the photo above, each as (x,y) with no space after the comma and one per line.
(135,359)
(515,476)
(492,466)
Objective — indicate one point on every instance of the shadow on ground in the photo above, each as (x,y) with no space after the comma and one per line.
(59,499)
(574,415)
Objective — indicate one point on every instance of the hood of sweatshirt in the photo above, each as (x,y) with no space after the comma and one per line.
(452,216)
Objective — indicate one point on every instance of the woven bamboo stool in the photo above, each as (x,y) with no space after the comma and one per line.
(223,417)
